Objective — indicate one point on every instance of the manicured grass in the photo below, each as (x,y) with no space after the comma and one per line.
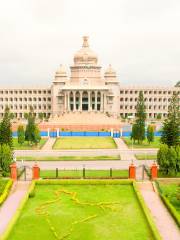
(145,143)
(69,158)
(26,146)
(3,183)
(95,212)
(84,143)
(162,175)
(79,173)
(146,157)
(169,188)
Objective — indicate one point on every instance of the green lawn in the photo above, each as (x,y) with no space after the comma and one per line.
(169,188)
(26,146)
(145,143)
(3,183)
(146,157)
(84,143)
(82,212)
(162,175)
(69,158)
(79,173)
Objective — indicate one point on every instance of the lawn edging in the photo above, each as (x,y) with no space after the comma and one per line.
(83,182)
(147,213)
(168,205)
(6,191)
(17,214)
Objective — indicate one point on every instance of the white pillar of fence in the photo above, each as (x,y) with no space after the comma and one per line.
(48,132)
(57,132)
(111,132)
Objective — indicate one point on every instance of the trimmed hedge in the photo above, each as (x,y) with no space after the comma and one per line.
(83,182)
(147,213)
(5,193)
(169,206)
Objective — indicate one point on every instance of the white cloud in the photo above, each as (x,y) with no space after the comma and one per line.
(140,38)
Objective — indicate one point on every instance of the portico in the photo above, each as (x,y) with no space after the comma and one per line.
(84,100)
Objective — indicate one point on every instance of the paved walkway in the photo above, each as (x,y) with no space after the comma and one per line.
(49,144)
(11,204)
(164,221)
(82,152)
(125,152)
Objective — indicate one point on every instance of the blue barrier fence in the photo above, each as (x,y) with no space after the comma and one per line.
(86,134)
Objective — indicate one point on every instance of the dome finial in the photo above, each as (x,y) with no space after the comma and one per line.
(85,41)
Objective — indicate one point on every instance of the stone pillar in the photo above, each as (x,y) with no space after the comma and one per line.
(68,102)
(35,172)
(101,104)
(74,101)
(154,171)
(95,107)
(13,169)
(80,101)
(65,102)
(89,100)
(132,171)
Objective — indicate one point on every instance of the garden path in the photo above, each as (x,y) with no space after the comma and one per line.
(12,203)
(125,152)
(49,144)
(165,223)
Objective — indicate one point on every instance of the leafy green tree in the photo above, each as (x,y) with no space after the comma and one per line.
(159,116)
(177,84)
(178,158)
(140,118)
(171,126)
(150,134)
(162,158)
(26,115)
(6,157)
(30,128)
(5,129)
(21,134)
(41,116)
(134,132)
(37,135)
(172,157)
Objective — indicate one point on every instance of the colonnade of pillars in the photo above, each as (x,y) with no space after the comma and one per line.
(84,101)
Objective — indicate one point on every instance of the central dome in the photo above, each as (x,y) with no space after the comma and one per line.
(85,56)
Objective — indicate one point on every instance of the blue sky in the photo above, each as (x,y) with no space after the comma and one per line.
(141,38)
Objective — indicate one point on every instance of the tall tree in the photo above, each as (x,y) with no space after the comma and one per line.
(5,129)
(30,128)
(140,117)
(171,126)
(6,157)
(150,134)
(21,134)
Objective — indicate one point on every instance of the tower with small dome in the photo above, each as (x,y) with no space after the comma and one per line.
(86,89)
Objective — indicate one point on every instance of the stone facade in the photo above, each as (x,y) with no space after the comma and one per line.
(85,90)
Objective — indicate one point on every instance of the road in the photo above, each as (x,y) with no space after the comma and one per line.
(82,152)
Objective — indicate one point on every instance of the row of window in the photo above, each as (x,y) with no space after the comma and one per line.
(155,107)
(25,99)
(25,91)
(21,115)
(150,115)
(146,99)
(147,92)
(26,107)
